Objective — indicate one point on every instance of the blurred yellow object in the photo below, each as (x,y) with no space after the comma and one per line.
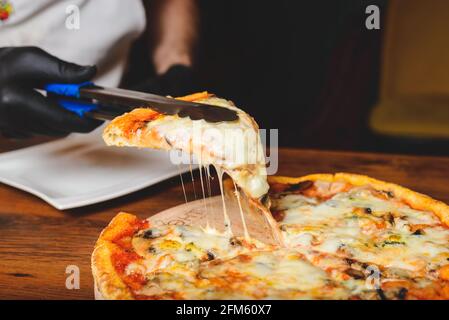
(414,93)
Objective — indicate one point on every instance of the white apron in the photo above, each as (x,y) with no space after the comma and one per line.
(106,31)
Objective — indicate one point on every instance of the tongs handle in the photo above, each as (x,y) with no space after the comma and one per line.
(72,91)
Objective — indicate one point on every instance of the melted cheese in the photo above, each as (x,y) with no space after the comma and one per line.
(205,264)
(382,236)
(234,146)
(270,275)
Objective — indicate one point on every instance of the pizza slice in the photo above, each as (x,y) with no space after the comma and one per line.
(233,147)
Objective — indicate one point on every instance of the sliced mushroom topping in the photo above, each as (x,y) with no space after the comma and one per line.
(390,194)
(150,234)
(356,274)
(402,293)
(381,294)
(151,249)
(234,241)
(278,215)
(210,256)
(390,218)
(301,186)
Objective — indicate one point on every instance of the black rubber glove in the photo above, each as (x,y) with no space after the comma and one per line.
(178,81)
(24,111)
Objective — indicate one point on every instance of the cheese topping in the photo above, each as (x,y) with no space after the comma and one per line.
(205,264)
(360,225)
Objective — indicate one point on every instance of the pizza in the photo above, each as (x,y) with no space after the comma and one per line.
(340,236)
(346,237)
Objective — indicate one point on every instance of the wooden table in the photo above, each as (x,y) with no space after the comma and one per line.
(38,242)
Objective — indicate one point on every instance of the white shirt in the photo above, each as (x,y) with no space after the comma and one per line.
(106,31)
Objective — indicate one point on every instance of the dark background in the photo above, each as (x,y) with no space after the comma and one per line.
(307,68)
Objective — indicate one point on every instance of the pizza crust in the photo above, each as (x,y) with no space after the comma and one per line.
(414,199)
(108,284)
(97,294)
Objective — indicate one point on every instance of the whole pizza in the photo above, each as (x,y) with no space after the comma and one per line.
(341,236)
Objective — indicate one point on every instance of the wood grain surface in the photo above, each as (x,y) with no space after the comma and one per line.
(38,242)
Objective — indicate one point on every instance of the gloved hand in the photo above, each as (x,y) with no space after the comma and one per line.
(24,111)
(178,80)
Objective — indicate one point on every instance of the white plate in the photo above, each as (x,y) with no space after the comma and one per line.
(81,170)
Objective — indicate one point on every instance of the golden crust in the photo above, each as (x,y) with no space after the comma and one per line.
(123,130)
(107,281)
(413,199)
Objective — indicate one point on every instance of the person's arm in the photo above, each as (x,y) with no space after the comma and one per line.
(174,27)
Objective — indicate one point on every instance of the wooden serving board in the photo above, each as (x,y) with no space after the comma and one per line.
(210,212)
